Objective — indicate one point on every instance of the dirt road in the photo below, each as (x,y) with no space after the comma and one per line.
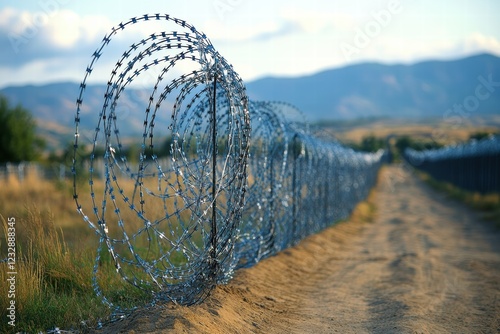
(424,265)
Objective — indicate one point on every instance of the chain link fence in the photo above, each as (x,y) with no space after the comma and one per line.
(473,166)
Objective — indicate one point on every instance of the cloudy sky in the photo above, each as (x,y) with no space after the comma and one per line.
(52,40)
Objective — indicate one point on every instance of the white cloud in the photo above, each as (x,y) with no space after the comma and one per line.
(391,48)
(55,30)
(476,42)
(292,39)
(65,30)
(315,21)
(42,71)
(8,19)
(217,30)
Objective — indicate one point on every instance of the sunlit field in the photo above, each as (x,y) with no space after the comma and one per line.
(55,259)
(56,249)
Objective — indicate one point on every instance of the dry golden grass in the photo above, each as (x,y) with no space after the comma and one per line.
(56,250)
(487,204)
(53,280)
(56,197)
(444,133)
(55,253)
(365,211)
(52,199)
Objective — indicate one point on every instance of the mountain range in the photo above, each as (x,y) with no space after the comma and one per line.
(366,90)
(425,89)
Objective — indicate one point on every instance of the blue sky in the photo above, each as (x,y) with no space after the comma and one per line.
(52,40)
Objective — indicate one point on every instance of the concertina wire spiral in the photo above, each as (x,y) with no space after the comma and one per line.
(241,180)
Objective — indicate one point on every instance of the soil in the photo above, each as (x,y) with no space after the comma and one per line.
(425,264)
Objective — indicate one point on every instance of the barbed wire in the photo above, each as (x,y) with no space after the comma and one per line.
(473,166)
(242,181)
(186,212)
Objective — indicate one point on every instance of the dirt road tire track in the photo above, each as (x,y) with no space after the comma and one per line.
(425,265)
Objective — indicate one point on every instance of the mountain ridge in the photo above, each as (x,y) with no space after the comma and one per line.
(356,90)
(425,89)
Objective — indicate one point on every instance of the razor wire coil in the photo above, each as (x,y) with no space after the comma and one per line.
(242,179)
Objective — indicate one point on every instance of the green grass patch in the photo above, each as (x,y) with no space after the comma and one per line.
(54,281)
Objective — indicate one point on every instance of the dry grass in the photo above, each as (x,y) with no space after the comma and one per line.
(487,204)
(53,286)
(56,250)
(439,130)
(366,210)
(53,204)
(55,253)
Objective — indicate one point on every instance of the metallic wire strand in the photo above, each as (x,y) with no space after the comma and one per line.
(241,180)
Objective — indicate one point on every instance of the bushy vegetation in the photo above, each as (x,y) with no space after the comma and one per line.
(405,142)
(481,135)
(18,139)
(370,144)
(420,144)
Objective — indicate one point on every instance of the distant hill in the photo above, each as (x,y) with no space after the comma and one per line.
(54,107)
(425,89)
(368,90)
(56,102)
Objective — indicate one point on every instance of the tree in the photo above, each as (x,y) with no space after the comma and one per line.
(419,145)
(480,135)
(370,143)
(18,140)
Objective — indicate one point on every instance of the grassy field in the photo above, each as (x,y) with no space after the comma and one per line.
(56,252)
(56,249)
(488,205)
(432,129)
(55,259)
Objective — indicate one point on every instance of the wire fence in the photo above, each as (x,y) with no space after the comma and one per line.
(473,166)
(242,180)
(23,170)
(54,171)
